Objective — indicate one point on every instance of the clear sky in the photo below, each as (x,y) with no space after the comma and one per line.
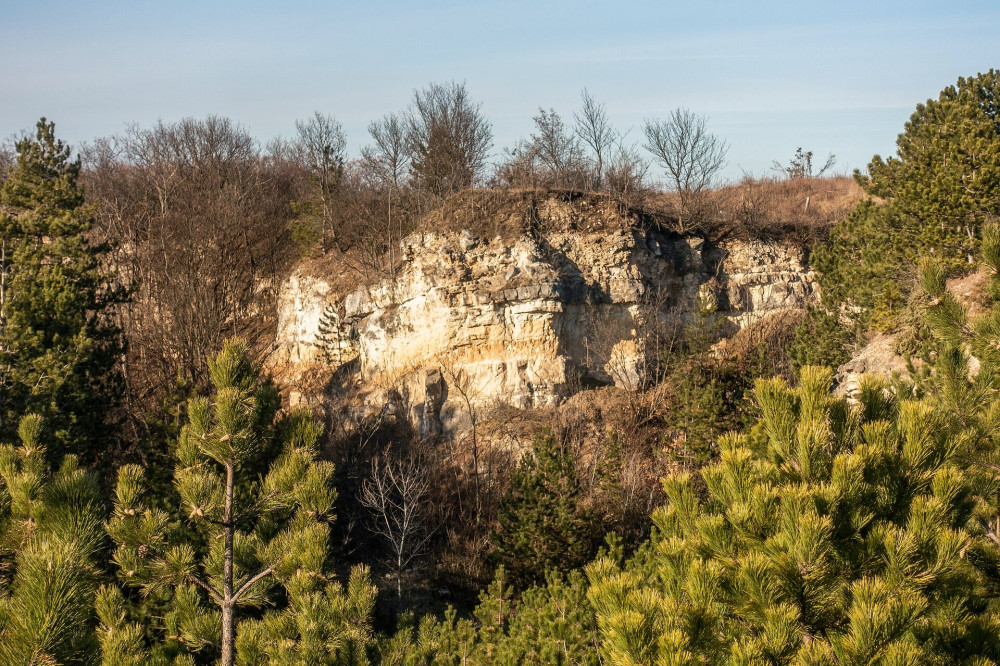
(837,77)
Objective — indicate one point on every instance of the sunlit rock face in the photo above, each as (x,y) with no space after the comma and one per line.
(469,321)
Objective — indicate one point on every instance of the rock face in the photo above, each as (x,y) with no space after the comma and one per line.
(878,357)
(469,322)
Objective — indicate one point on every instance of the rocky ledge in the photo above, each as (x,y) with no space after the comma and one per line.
(469,322)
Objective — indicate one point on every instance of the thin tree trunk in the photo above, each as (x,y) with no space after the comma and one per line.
(399,578)
(228,604)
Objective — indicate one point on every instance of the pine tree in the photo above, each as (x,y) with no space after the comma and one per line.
(541,524)
(50,530)
(57,349)
(820,339)
(965,384)
(945,176)
(256,507)
(552,624)
(864,261)
(121,640)
(322,625)
(931,198)
(706,391)
(825,535)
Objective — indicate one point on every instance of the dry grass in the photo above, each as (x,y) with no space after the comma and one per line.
(801,209)
(511,212)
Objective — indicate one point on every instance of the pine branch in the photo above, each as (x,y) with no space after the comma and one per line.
(254,579)
(205,586)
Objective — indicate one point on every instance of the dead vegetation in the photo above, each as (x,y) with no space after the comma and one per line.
(799,210)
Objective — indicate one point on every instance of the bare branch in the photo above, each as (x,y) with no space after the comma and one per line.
(691,157)
(594,129)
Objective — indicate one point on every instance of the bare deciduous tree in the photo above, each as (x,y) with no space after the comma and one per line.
(448,139)
(459,380)
(199,221)
(625,175)
(397,493)
(753,208)
(321,146)
(595,130)
(632,351)
(691,156)
(557,150)
(384,164)
(386,157)
(6,160)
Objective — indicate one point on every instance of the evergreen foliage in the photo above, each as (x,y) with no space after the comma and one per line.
(550,624)
(933,197)
(822,339)
(864,261)
(825,535)
(945,177)
(58,350)
(447,139)
(827,532)
(321,146)
(965,384)
(50,531)
(701,413)
(707,391)
(541,523)
(256,507)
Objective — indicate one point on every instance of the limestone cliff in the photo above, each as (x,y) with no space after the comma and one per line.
(525,321)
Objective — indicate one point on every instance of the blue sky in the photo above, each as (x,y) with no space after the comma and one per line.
(837,77)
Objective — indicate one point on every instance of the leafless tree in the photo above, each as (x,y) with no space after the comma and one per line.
(6,160)
(322,147)
(384,163)
(519,168)
(595,130)
(557,149)
(397,493)
(448,139)
(198,219)
(375,216)
(459,380)
(691,157)
(625,175)
(753,209)
(632,351)
(386,157)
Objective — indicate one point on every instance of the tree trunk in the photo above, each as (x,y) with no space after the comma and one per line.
(228,635)
(228,604)
(399,589)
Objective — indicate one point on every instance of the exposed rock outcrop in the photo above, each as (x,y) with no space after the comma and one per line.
(879,357)
(526,321)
